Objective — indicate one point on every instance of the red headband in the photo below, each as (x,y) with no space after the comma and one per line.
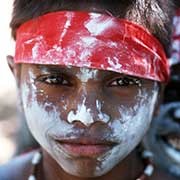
(91,40)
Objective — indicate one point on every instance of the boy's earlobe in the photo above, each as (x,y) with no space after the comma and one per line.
(10,61)
(15,68)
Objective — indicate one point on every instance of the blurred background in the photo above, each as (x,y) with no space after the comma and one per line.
(8,120)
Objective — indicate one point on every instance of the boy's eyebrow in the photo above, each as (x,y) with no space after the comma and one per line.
(51,68)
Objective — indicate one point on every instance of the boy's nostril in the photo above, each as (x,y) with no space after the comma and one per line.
(79,125)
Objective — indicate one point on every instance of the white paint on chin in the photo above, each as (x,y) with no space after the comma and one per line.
(136,121)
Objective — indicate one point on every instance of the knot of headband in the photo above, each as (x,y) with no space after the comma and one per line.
(92,40)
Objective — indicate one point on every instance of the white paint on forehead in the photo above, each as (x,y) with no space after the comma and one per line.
(97,25)
(86,74)
(102,116)
(82,114)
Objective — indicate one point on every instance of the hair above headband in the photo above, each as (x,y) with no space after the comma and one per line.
(92,40)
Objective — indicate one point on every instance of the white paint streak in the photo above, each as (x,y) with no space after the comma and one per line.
(82,114)
(66,26)
(35,51)
(102,116)
(128,129)
(114,63)
(97,25)
(86,74)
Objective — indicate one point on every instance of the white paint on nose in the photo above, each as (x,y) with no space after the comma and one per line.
(82,114)
(102,116)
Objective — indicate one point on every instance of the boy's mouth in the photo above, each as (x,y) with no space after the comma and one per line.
(84,147)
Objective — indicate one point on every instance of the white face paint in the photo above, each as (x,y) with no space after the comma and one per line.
(83,114)
(46,119)
(128,130)
(101,115)
(87,74)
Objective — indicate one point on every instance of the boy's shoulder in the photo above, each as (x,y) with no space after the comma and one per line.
(17,168)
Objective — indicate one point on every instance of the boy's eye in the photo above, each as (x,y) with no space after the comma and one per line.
(126,81)
(54,80)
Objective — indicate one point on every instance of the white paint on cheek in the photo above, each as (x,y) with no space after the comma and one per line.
(39,120)
(82,114)
(102,116)
(136,122)
(86,74)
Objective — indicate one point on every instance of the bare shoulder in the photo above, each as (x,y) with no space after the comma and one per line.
(17,169)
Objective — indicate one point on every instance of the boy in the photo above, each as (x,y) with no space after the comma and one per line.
(88,75)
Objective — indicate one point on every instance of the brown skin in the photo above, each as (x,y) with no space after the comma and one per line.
(130,168)
(69,91)
(125,96)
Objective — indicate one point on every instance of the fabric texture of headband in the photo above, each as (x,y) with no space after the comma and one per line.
(91,40)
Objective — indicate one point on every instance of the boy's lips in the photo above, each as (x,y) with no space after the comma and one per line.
(84,147)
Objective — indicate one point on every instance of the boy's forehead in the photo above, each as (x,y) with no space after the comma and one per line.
(71,70)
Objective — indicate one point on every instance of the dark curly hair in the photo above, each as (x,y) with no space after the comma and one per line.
(155,15)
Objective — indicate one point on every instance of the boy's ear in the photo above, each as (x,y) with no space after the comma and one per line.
(10,61)
(15,68)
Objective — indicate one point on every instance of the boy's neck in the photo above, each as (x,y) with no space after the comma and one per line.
(130,168)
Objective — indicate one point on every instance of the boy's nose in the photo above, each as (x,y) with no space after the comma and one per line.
(88,108)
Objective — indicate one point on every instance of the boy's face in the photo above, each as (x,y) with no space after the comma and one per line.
(87,120)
